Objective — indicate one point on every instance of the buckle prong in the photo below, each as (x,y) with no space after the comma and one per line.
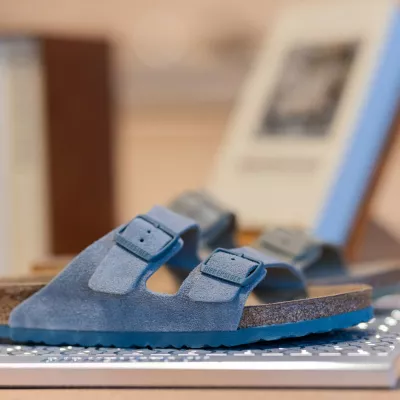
(137,251)
(224,274)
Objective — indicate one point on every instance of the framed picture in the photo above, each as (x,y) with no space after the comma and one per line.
(311,126)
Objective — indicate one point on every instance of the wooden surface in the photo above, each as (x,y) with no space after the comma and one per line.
(379,246)
(197,394)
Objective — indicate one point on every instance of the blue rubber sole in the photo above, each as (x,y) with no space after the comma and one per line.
(188,339)
(4,332)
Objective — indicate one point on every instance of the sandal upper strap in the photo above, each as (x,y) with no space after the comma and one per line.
(143,245)
(217,224)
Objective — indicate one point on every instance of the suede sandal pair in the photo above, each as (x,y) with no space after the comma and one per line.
(321,263)
(101,297)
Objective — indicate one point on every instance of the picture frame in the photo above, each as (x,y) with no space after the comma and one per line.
(311,130)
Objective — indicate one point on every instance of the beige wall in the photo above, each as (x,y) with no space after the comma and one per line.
(152,145)
(161,153)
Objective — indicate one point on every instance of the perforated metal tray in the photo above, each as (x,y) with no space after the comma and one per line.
(364,356)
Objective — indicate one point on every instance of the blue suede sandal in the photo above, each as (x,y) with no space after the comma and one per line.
(101,297)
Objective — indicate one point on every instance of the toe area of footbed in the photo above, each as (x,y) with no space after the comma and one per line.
(13,293)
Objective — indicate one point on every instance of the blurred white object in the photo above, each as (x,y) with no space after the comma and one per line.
(23,208)
(389,302)
(314,117)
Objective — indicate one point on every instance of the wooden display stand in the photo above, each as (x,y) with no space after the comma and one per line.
(357,235)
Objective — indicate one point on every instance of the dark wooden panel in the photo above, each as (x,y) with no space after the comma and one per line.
(79,129)
(357,235)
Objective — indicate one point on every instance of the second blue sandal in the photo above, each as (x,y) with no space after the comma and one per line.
(101,298)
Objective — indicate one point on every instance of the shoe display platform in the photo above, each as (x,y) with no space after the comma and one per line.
(363,356)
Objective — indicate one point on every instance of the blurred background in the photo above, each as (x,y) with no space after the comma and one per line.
(171,74)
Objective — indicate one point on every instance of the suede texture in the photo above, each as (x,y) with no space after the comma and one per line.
(220,286)
(315,259)
(110,304)
(122,270)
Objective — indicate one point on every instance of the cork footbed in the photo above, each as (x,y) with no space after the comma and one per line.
(14,293)
(320,302)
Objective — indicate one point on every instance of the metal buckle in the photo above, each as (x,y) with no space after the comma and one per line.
(138,251)
(225,275)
